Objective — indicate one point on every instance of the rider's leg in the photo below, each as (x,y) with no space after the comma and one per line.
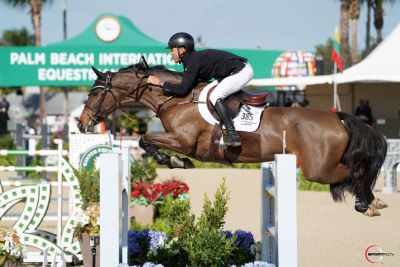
(233,138)
(226,87)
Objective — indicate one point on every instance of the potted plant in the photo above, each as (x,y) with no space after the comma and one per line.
(12,252)
(87,217)
(191,241)
(145,197)
(175,189)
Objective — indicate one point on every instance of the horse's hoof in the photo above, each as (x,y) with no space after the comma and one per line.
(377,203)
(162,159)
(371,212)
(176,162)
(188,163)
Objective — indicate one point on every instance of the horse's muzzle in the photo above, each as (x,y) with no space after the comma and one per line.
(85,127)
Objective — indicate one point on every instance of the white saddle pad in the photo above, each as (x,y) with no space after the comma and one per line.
(247,120)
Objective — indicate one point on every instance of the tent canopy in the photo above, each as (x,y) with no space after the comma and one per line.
(381,65)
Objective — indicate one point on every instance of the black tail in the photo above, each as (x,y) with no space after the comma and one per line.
(364,156)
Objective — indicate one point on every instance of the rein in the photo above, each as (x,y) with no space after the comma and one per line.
(190,101)
(106,85)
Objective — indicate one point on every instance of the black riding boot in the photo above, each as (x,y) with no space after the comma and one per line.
(232,139)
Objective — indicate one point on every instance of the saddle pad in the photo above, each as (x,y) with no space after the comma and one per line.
(247,120)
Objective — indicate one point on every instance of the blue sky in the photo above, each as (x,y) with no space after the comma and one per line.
(273,25)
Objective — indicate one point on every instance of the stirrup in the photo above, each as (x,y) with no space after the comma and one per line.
(232,140)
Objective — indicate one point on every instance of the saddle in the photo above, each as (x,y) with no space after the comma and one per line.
(236,100)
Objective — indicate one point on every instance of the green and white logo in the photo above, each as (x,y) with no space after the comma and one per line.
(89,157)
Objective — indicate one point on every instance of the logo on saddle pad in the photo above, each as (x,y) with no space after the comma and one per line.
(247,120)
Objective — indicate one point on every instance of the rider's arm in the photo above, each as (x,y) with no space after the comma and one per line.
(182,89)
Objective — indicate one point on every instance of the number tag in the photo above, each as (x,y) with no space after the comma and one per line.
(248,118)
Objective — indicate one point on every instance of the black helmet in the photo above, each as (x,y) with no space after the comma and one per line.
(181,39)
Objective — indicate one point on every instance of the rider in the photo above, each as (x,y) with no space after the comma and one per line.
(232,73)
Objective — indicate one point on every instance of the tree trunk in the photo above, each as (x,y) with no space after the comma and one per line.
(368,26)
(344,32)
(354,50)
(354,16)
(36,9)
(378,20)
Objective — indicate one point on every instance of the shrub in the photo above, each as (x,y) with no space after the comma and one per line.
(7,142)
(89,182)
(143,171)
(194,242)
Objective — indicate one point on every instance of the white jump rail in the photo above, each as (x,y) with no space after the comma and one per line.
(279,212)
(32,151)
(114,206)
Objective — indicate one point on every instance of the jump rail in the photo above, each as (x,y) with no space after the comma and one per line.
(279,212)
(114,206)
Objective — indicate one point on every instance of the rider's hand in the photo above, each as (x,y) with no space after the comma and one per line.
(153,80)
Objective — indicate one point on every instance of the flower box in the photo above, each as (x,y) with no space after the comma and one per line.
(142,214)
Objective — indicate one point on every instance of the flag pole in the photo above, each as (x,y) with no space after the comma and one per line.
(334,88)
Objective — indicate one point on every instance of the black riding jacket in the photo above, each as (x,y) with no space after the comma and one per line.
(201,66)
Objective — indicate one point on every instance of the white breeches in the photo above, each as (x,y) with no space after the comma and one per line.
(232,84)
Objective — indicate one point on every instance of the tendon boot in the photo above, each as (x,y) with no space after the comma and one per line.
(232,138)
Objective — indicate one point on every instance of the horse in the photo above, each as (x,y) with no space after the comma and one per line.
(331,148)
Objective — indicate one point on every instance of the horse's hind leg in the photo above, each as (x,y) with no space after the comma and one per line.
(370,207)
(379,204)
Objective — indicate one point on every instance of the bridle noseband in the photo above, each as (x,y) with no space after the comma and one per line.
(106,86)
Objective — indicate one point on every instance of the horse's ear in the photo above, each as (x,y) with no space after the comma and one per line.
(99,74)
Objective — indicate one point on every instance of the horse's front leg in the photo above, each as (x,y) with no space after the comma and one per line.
(152,143)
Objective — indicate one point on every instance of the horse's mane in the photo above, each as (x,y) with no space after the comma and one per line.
(153,70)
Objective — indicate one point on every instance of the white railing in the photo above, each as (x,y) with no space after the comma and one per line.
(279,211)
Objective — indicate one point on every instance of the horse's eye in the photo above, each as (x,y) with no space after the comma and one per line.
(93,93)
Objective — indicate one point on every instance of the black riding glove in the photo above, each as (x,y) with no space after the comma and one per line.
(167,91)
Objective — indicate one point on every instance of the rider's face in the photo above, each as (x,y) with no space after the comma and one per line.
(176,53)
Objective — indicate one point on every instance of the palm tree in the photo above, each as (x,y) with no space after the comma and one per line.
(368,25)
(354,13)
(36,16)
(378,19)
(17,37)
(344,32)
(324,50)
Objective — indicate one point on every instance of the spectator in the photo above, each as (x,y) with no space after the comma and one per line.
(288,102)
(4,106)
(368,113)
(361,111)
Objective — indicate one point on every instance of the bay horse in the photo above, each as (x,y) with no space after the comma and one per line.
(331,148)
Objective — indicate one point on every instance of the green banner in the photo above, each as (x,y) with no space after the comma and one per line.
(69,66)
(109,43)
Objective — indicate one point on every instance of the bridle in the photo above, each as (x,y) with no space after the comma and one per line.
(105,84)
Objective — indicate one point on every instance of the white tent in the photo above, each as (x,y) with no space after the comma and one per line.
(381,65)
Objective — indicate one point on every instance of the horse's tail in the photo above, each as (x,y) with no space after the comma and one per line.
(364,156)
